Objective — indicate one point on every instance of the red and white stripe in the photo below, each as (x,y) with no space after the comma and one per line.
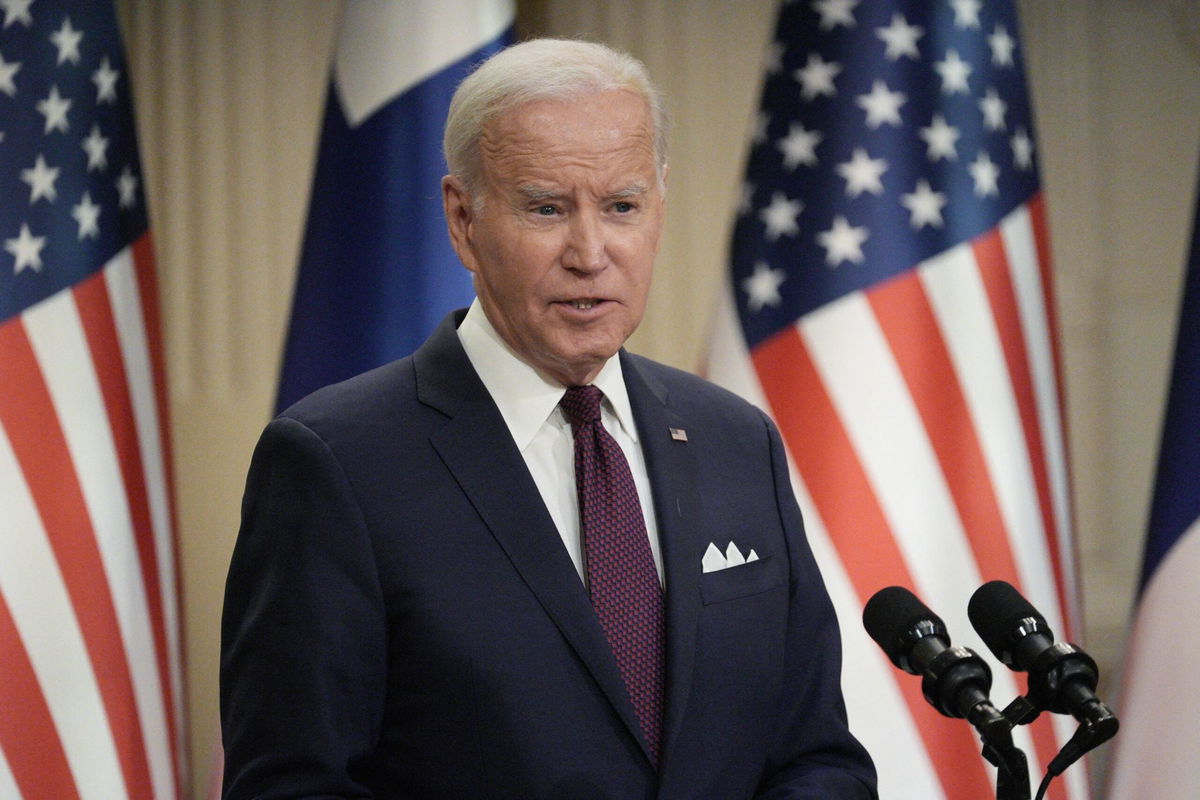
(91,678)
(923,420)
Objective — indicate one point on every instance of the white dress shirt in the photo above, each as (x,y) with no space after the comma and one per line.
(528,401)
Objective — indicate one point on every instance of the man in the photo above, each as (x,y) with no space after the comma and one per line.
(424,600)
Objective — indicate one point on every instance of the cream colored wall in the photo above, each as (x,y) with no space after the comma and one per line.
(229,100)
(1117,90)
(1116,86)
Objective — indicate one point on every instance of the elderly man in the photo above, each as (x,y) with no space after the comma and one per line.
(524,563)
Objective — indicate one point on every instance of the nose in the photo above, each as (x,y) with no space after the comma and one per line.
(585,246)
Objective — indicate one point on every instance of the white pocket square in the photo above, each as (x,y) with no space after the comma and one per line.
(715,560)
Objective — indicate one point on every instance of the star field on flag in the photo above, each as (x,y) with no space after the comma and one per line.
(844,130)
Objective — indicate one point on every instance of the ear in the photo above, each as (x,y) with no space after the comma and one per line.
(460,218)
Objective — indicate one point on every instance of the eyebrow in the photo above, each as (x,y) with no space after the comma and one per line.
(535,194)
(633,190)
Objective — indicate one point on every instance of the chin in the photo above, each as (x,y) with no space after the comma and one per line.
(595,355)
(578,367)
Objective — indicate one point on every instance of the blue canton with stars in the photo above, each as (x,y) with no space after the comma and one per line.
(70,185)
(889,131)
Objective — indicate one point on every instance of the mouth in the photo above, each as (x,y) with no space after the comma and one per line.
(585,305)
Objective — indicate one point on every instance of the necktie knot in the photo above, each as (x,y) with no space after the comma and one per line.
(581,404)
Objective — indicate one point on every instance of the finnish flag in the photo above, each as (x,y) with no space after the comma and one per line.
(377,272)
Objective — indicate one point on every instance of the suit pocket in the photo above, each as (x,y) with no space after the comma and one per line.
(743,580)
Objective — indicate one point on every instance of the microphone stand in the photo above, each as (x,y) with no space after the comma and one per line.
(1012,767)
(956,682)
(1097,725)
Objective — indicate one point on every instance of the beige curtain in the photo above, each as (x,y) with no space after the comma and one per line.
(229,96)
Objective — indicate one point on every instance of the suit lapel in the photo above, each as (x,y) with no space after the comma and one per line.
(477,448)
(672,468)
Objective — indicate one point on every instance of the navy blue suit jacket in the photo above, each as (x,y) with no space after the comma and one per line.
(402,619)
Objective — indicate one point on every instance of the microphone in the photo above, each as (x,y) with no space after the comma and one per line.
(1062,677)
(955,680)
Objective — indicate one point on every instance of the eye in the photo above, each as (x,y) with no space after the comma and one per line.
(546,210)
(622,207)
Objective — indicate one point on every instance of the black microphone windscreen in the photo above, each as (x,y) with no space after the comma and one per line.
(995,610)
(890,613)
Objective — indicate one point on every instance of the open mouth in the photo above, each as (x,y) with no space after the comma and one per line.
(583,304)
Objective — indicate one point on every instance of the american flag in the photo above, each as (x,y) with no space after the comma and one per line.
(889,302)
(91,685)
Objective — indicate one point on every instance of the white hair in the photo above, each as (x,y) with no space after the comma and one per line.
(541,69)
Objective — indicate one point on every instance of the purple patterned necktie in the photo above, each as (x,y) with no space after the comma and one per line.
(622,580)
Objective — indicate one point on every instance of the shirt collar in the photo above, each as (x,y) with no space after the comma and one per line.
(525,397)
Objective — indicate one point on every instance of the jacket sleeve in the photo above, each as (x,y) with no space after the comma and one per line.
(303,639)
(814,755)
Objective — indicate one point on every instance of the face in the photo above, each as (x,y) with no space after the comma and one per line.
(562,247)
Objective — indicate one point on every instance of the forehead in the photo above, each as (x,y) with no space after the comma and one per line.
(604,133)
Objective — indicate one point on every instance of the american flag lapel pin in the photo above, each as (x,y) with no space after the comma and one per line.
(678,434)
